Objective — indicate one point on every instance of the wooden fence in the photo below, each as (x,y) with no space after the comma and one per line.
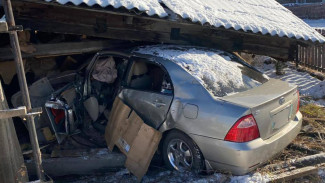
(312,57)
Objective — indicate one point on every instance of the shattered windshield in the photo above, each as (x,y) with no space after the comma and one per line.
(219,72)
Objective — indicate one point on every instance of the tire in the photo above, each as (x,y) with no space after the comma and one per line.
(181,153)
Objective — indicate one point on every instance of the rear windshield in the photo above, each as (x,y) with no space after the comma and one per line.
(221,73)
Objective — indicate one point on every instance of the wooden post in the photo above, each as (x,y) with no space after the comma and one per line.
(12,167)
(323,58)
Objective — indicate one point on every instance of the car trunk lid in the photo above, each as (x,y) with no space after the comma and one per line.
(272,104)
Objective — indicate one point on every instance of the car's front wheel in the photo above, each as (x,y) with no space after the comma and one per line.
(181,153)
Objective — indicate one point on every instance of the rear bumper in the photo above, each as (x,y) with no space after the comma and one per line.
(241,158)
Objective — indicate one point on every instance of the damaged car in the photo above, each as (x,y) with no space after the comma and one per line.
(216,112)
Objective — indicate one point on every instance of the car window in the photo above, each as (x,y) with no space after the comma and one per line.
(149,77)
(221,73)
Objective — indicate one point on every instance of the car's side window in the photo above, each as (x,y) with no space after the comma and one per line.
(147,76)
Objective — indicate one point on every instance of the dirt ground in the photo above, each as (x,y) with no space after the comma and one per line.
(310,141)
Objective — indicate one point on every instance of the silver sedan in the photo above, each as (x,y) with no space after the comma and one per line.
(224,114)
(216,112)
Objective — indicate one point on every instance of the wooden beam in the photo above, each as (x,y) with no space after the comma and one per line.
(3,27)
(68,48)
(52,17)
(295,174)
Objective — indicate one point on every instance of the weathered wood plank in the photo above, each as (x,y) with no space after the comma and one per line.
(68,48)
(319,58)
(294,174)
(3,26)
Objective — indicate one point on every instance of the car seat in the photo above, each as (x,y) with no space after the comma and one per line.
(140,79)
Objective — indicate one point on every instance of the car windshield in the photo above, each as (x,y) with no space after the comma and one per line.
(221,73)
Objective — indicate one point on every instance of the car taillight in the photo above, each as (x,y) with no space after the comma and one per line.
(298,101)
(58,115)
(244,130)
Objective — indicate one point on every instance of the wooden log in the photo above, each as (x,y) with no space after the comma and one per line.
(303,149)
(294,174)
(79,162)
(67,48)
(300,162)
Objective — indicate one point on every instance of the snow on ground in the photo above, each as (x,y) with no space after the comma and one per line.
(317,24)
(307,84)
(3,19)
(321,173)
(167,176)
(210,68)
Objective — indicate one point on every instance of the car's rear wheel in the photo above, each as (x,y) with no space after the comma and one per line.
(181,153)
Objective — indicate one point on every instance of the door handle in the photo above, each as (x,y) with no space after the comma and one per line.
(158,104)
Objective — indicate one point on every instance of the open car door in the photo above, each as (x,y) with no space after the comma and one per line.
(148,91)
(151,107)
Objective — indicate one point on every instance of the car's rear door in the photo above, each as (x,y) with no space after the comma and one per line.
(151,107)
(152,103)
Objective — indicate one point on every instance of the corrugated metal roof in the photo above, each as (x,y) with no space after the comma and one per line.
(151,7)
(257,16)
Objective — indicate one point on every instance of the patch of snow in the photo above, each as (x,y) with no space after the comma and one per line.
(172,176)
(318,23)
(307,84)
(214,69)
(3,18)
(123,172)
(151,7)
(265,17)
(321,173)
(255,178)
(102,152)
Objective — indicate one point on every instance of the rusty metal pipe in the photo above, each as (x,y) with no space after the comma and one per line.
(23,88)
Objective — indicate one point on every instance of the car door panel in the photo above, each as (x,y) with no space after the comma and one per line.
(151,107)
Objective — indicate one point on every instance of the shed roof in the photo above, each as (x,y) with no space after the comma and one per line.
(263,17)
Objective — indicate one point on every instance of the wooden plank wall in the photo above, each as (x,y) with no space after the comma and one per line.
(312,57)
(309,11)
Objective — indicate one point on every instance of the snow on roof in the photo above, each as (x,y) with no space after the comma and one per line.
(209,67)
(265,17)
(151,7)
(317,24)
